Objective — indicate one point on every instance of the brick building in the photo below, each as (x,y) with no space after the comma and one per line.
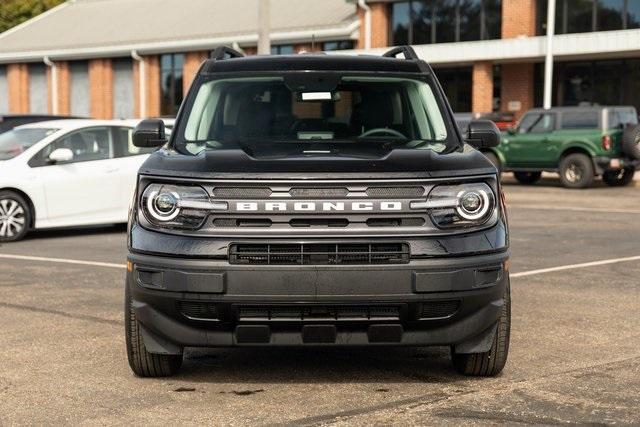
(134,58)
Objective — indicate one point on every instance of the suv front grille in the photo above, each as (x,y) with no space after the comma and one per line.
(311,313)
(319,254)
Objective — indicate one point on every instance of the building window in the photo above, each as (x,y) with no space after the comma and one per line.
(604,82)
(4,90)
(583,16)
(338,45)
(171,76)
(38,89)
(443,21)
(282,49)
(79,92)
(456,83)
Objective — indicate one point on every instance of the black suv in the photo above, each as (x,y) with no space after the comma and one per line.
(316,200)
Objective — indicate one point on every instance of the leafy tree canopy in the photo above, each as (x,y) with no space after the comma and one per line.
(14,12)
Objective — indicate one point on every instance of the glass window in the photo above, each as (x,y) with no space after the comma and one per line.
(282,49)
(124,147)
(443,21)
(16,141)
(456,83)
(338,45)
(171,75)
(622,117)
(579,16)
(361,116)
(581,120)
(86,145)
(544,124)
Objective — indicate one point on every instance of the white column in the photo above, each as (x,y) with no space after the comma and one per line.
(142,83)
(264,24)
(548,61)
(54,84)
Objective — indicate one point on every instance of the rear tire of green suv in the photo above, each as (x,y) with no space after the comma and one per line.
(631,142)
(143,363)
(492,362)
(527,178)
(618,178)
(576,171)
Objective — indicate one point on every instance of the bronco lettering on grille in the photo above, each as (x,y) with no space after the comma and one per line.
(385,206)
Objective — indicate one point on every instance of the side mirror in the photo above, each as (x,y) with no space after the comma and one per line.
(60,155)
(483,134)
(149,133)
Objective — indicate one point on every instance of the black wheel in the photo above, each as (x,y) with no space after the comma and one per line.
(492,362)
(15,216)
(527,177)
(618,178)
(493,159)
(576,171)
(631,142)
(143,363)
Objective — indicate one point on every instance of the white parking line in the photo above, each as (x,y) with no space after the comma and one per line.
(575,266)
(572,209)
(514,275)
(63,261)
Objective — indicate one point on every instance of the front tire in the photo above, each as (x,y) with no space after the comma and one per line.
(492,362)
(618,178)
(576,171)
(527,178)
(143,363)
(15,216)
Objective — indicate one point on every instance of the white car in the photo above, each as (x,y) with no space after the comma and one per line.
(66,173)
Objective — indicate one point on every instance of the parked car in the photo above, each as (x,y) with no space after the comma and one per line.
(579,143)
(66,173)
(317,200)
(9,121)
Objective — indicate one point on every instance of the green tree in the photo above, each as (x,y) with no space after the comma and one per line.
(14,12)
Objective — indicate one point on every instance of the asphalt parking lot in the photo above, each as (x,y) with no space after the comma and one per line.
(574,359)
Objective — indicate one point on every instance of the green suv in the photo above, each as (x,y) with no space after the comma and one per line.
(577,142)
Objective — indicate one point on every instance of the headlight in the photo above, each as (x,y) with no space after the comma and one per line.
(460,206)
(174,206)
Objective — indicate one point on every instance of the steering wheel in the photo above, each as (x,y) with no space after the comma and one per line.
(383,131)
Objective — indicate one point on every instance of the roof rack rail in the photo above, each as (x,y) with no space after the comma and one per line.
(407,51)
(221,53)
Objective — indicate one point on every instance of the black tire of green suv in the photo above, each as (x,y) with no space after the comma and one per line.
(143,363)
(492,362)
(631,142)
(576,171)
(619,178)
(15,216)
(527,178)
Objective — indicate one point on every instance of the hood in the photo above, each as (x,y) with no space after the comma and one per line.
(398,163)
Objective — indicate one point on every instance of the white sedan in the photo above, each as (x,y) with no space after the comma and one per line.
(66,173)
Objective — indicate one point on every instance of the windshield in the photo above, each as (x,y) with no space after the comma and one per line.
(16,141)
(280,116)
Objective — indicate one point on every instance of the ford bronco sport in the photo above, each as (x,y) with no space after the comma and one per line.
(577,142)
(317,200)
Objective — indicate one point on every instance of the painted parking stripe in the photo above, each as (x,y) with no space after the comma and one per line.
(63,261)
(575,266)
(514,275)
(572,209)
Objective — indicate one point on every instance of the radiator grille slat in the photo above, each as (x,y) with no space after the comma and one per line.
(319,254)
(310,313)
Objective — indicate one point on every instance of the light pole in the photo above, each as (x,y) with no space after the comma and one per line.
(264,23)
(548,60)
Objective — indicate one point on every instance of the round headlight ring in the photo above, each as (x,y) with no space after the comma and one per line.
(161,214)
(478,196)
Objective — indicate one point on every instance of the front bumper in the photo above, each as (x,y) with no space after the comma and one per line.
(435,301)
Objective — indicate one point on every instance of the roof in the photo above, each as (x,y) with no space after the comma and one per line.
(315,62)
(98,28)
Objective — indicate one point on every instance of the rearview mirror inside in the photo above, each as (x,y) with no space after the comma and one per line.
(149,133)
